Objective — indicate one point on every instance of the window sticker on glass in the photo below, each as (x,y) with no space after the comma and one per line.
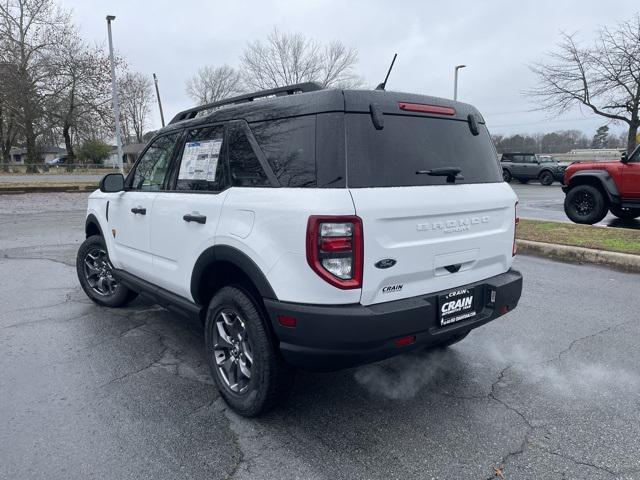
(200,160)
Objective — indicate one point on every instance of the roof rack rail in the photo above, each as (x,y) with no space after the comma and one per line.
(249,97)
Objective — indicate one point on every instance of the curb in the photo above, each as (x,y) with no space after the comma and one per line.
(76,187)
(565,253)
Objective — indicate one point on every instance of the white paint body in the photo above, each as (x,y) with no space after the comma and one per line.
(424,229)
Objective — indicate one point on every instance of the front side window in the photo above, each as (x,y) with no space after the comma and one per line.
(244,167)
(152,168)
(202,160)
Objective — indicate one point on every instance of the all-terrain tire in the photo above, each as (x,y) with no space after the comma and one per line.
(95,274)
(625,214)
(585,204)
(246,344)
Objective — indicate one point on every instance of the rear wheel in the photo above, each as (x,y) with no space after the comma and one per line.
(95,274)
(247,369)
(585,204)
(625,214)
(546,178)
(506,175)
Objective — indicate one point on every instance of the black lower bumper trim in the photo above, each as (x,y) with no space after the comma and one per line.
(335,337)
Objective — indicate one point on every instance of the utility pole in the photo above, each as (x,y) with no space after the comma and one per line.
(114,93)
(455,81)
(155,81)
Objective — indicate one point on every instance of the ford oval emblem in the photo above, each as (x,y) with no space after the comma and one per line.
(385,263)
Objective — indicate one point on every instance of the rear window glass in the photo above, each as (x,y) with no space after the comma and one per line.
(391,157)
(290,147)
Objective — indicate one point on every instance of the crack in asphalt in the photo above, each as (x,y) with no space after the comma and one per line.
(45,320)
(67,299)
(530,428)
(167,359)
(61,262)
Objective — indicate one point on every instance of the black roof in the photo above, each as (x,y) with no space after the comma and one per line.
(270,105)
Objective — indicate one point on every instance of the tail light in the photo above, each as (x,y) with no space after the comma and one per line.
(335,249)
(515,228)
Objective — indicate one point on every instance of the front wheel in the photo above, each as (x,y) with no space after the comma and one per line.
(95,274)
(546,178)
(585,204)
(625,214)
(506,175)
(247,369)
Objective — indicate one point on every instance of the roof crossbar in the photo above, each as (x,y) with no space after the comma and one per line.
(249,97)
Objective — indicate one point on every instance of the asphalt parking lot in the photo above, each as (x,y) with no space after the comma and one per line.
(547,203)
(549,391)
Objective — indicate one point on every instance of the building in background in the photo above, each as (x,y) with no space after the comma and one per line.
(45,154)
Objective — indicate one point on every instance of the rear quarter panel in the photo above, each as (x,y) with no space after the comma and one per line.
(269,225)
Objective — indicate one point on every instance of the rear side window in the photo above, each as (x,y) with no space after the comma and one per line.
(244,167)
(201,162)
(391,157)
(290,147)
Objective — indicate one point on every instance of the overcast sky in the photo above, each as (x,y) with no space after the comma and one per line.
(496,40)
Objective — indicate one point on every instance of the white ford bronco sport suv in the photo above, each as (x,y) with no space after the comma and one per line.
(310,228)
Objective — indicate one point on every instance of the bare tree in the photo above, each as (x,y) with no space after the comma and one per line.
(211,84)
(288,58)
(136,97)
(29,32)
(8,126)
(78,90)
(605,77)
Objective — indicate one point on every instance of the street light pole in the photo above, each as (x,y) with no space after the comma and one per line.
(155,80)
(455,81)
(114,93)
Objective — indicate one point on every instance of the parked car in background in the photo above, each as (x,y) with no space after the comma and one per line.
(595,188)
(57,161)
(530,166)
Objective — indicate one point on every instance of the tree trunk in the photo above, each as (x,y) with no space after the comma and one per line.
(32,154)
(631,137)
(66,132)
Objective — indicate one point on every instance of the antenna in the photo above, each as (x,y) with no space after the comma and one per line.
(384,84)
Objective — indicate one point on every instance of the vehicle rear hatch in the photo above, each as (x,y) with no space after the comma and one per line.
(424,233)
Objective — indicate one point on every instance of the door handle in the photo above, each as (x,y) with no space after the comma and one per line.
(139,210)
(194,217)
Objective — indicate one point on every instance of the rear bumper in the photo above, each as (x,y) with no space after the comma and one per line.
(335,337)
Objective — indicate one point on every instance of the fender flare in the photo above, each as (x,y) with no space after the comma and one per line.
(92,221)
(226,253)
(602,176)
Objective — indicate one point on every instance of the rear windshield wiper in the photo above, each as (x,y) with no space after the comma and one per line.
(450,172)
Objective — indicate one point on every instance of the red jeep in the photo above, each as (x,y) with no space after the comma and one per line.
(594,188)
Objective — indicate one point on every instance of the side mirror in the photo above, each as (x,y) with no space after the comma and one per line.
(112,182)
(624,158)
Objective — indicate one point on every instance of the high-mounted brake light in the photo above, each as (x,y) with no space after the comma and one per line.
(424,108)
(515,228)
(335,249)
